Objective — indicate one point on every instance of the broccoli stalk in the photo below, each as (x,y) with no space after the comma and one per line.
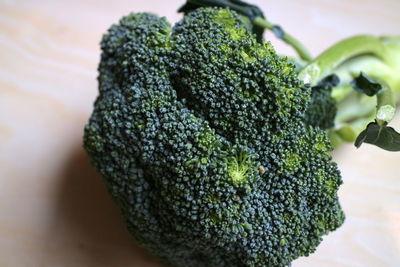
(379,58)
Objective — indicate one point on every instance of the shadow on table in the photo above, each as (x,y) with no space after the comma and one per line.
(88,223)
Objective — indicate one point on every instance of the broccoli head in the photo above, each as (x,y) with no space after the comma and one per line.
(199,134)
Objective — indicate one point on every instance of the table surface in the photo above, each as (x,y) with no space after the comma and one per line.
(54,209)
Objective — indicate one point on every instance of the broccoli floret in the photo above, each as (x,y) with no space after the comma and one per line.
(201,140)
(235,83)
(321,111)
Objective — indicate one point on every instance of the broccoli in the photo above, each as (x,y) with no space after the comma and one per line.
(322,109)
(199,132)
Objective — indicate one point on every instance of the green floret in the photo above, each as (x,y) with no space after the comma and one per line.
(231,80)
(322,109)
(200,137)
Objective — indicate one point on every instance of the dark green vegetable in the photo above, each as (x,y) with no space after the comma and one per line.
(216,149)
(201,140)
(322,108)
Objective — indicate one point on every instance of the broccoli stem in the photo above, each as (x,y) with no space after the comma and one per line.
(386,105)
(379,58)
(287,38)
(354,106)
(373,67)
(348,132)
(338,54)
(356,111)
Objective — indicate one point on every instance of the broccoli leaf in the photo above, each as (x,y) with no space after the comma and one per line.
(366,85)
(380,135)
(278,31)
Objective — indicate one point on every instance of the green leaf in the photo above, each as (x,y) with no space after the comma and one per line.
(366,85)
(278,31)
(380,135)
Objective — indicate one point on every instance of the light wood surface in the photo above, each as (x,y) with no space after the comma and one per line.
(54,210)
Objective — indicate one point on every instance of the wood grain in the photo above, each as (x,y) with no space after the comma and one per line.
(54,210)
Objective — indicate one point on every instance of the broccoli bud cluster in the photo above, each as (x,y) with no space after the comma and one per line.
(199,134)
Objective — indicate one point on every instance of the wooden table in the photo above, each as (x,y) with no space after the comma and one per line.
(54,210)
